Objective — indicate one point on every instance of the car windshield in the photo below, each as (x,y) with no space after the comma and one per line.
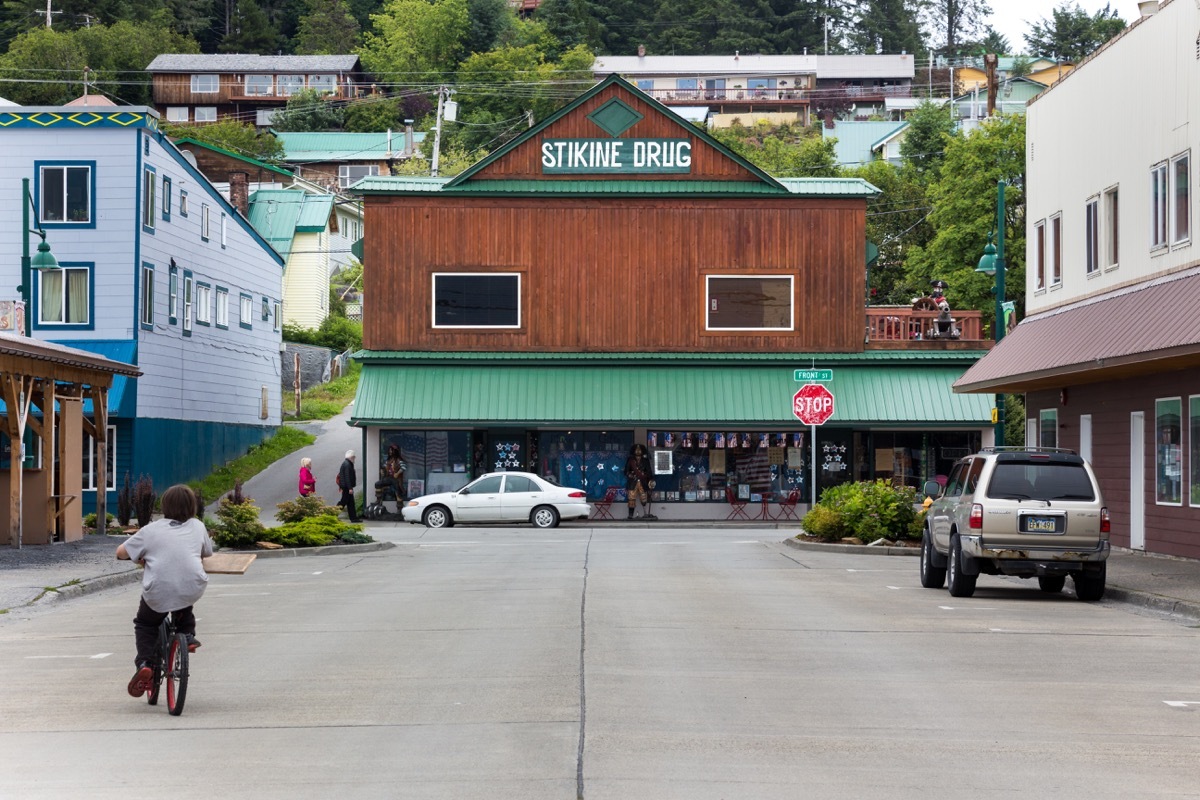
(1029,480)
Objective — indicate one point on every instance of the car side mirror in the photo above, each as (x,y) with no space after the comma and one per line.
(464,490)
(931,489)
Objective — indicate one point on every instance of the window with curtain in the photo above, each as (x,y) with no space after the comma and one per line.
(64,296)
(222,307)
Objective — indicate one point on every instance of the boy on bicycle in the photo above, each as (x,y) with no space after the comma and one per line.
(171,550)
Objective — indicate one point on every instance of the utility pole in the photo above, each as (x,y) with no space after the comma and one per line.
(989,62)
(437,130)
(49,14)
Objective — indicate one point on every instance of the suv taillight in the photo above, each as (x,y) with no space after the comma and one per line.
(1105,522)
(976,521)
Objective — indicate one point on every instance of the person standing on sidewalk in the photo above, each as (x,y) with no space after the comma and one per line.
(346,481)
(171,550)
(307,483)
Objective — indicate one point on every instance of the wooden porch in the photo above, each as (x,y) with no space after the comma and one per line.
(903,327)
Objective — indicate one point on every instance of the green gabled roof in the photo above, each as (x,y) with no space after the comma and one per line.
(279,214)
(536,130)
(231,154)
(796,360)
(693,395)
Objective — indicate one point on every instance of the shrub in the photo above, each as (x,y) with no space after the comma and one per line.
(89,521)
(873,510)
(238,525)
(824,523)
(315,531)
(303,508)
(355,537)
(125,503)
(143,500)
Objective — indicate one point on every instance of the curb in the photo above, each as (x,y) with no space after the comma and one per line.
(328,550)
(89,586)
(857,549)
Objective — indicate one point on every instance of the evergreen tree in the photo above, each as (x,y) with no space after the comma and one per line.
(956,22)
(327,28)
(488,20)
(307,111)
(571,22)
(248,30)
(1071,34)
(887,26)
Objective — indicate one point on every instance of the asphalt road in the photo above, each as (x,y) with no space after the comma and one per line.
(606,663)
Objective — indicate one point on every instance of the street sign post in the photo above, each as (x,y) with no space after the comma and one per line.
(810,375)
(813,405)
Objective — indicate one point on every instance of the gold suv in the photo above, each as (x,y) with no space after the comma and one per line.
(1028,512)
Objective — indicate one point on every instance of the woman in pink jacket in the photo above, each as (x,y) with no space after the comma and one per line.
(308,484)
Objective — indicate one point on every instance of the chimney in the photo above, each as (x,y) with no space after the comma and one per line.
(1148,8)
(239,192)
(389,144)
(641,51)
(408,138)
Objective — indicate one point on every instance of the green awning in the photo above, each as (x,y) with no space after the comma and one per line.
(480,395)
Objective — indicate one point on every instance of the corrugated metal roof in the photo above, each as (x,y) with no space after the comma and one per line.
(1133,328)
(855,140)
(337,146)
(453,395)
(233,62)
(279,214)
(804,187)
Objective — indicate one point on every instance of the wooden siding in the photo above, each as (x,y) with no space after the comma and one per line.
(1170,529)
(525,161)
(614,274)
(306,281)
(217,167)
(175,89)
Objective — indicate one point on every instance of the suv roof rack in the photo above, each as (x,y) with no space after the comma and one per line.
(1008,449)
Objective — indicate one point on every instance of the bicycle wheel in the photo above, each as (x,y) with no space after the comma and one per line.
(177,674)
(160,659)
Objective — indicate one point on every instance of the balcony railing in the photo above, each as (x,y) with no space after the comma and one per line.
(782,95)
(903,324)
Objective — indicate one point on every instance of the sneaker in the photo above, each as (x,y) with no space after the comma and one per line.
(193,643)
(140,682)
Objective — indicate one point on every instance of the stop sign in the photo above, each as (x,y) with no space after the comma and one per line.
(813,404)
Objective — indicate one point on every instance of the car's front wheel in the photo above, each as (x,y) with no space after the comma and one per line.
(438,517)
(544,517)
(931,577)
(960,585)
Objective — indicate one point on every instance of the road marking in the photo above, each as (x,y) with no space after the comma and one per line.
(967,608)
(42,658)
(1183,704)
(316,573)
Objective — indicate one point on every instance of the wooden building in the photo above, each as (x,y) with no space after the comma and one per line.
(615,275)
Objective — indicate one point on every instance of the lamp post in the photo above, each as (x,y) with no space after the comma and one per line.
(43,259)
(992,263)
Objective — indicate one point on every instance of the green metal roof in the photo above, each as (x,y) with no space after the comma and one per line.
(803,187)
(338,146)
(659,394)
(279,214)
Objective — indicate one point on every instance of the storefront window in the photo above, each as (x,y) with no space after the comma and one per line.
(435,461)
(588,460)
(1168,453)
(749,464)
(1194,447)
(1048,421)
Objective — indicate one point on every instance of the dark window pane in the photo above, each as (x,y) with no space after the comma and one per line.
(476,300)
(78,190)
(750,303)
(519,483)
(53,204)
(487,485)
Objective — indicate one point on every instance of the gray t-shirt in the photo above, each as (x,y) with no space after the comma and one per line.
(175,576)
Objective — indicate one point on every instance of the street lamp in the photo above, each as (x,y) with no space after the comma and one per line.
(992,263)
(43,259)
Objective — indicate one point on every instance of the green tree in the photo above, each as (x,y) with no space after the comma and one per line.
(378,113)
(994,42)
(887,26)
(488,21)
(249,31)
(930,127)
(245,140)
(897,221)
(571,22)
(1071,34)
(416,40)
(117,55)
(956,22)
(964,213)
(785,151)
(452,161)
(43,53)
(308,110)
(326,28)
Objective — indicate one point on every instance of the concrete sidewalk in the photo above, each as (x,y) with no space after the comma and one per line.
(45,573)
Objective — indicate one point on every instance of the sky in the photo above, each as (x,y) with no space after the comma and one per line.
(1009,16)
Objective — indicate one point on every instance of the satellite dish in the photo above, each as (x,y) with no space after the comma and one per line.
(190,157)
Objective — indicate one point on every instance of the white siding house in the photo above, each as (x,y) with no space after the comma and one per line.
(298,225)
(156,269)
(1108,355)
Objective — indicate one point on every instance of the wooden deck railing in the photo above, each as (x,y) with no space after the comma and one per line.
(783,95)
(903,324)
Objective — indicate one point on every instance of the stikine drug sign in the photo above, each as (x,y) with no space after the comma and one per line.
(616,156)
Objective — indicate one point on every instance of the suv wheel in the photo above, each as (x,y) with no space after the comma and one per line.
(960,585)
(1052,584)
(931,577)
(1089,587)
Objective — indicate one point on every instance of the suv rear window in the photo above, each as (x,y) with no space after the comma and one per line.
(1029,480)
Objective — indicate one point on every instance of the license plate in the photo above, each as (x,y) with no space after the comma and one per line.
(1039,524)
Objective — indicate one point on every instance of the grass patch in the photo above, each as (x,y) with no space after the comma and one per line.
(327,400)
(286,440)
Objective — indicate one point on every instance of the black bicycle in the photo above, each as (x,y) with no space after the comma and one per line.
(170,662)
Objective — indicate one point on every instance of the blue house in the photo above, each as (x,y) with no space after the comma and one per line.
(156,269)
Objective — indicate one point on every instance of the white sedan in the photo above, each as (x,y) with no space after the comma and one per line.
(500,497)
